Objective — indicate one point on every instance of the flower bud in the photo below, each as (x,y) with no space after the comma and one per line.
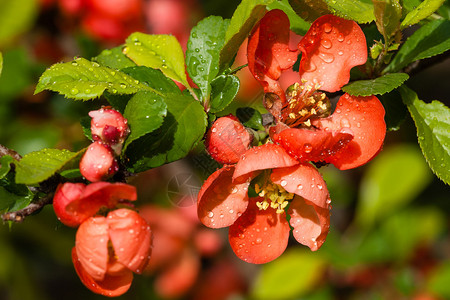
(110,127)
(227,140)
(98,162)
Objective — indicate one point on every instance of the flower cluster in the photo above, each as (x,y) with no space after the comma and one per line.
(112,241)
(109,130)
(253,195)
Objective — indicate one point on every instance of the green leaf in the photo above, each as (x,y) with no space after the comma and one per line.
(430,40)
(145,113)
(395,110)
(377,86)
(223,90)
(292,275)
(82,80)
(114,58)
(387,17)
(16,17)
(310,10)
(203,51)
(424,10)
(153,78)
(13,202)
(182,128)
(437,283)
(158,52)
(433,131)
(250,117)
(395,177)
(361,11)
(38,166)
(5,165)
(246,15)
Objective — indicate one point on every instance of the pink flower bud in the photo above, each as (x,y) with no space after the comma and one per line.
(227,140)
(110,127)
(108,250)
(98,162)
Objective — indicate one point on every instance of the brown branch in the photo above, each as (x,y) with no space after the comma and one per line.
(19,216)
(6,151)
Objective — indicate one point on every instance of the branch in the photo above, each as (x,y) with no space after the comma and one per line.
(6,151)
(19,216)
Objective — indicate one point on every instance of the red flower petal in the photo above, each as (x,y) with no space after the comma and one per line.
(111,286)
(220,201)
(331,47)
(268,156)
(66,194)
(364,116)
(312,145)
(97,195)
(268,51)
(259,236)
(227,140)
(311,223)
(303,180)
(131,238)
(92,247)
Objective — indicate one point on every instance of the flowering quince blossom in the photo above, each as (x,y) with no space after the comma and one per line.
(355,132)
(109,131)
(76,202)
(109,249)
(306,131)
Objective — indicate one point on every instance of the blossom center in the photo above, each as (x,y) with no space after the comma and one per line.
(304,102)
(274,196)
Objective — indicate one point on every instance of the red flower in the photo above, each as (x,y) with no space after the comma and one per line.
(108,251)
(75,202)
(259,230)
(227,140)
(355,132)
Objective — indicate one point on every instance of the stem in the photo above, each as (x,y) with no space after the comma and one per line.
(6,151)
(19,216)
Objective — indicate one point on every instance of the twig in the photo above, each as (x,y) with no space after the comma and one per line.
(6,151)
(19,216)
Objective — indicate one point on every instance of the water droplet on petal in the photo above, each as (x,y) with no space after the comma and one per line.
(307,148)
(258,241)
(345,123)
(283,183)
(340,37)
(327,27)
(327,57)
(326,43)
(210,214)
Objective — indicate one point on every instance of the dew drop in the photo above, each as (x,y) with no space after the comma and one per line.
(326,43)
(345,123)
(340,37)
(210,214)
(299,187)
(307,148)
(309,66)
(327,57)
(214,130)
(283,183)
(341,52)
(74,91)
(327,27)
(231,211)
(258,241)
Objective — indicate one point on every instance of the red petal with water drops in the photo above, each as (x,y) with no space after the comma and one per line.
(312,145)
(66,194)
(111,286)
(311,223)
(331,47)
(259,236)
(227,140)
(92,247)
(364,116)
(131,237)
(220,201)
(268,51)
(268,156)
(97,195)
(303,180)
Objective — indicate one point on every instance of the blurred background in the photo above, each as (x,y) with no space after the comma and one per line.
(389,235)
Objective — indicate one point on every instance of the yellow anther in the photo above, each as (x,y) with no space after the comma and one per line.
(265,205)
(257,188)
(292,116)
(262,193)
(313,111)
(307,123)
(275,196)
